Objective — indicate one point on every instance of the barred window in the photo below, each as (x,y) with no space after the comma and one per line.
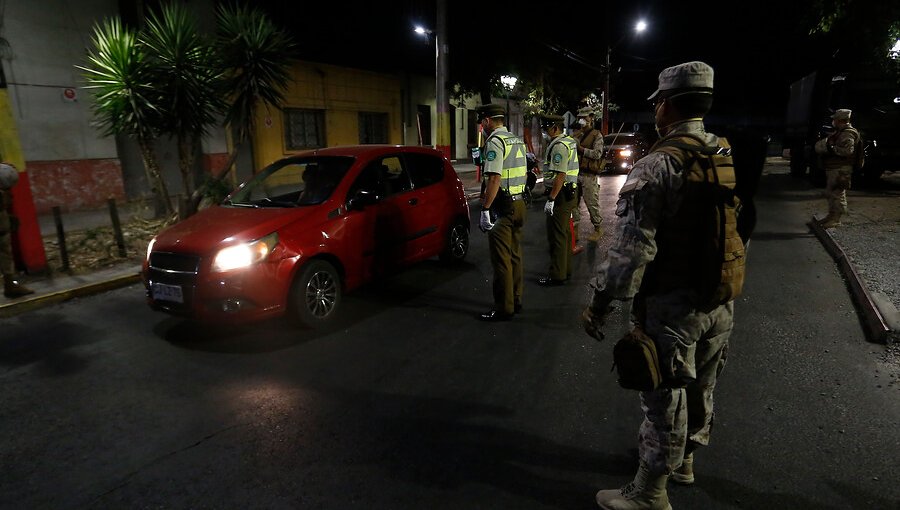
(304,129)
(373,127)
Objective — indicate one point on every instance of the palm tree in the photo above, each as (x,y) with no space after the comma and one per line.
(186,79)
(255,59)
(125,98)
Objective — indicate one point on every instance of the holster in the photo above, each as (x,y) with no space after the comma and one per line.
(570,190)
(502,205)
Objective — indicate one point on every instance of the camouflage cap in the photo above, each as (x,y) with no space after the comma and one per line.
(490,110)
(688,78)
(842,114)
(585,112)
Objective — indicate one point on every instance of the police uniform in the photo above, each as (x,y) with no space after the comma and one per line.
(591,164)
(657,248)
(11,288)
(838,152)
(504,155)
(561,159)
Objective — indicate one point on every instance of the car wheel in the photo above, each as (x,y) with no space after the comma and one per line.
(316,295)
(457,243)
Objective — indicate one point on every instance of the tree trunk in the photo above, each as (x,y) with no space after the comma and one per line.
(155,180)
(197,195)
(186,163)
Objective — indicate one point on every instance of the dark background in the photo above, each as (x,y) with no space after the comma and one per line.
(756,48)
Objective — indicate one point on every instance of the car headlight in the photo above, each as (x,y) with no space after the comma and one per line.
(245,254)
(150,247)
(625,153)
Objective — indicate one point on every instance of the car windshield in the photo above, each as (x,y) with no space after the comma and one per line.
(293,182)
(620,140)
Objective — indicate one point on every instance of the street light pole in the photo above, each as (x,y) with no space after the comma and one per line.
(442,105)
(604,128)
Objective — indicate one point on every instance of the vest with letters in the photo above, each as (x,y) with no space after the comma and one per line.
(699,247)
(515,165)
(571,165)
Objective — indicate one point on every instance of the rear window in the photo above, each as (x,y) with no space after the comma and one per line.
(424,170)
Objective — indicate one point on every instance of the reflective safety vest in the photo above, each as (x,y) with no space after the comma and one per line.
(699,247)
(571,164)
(515,165)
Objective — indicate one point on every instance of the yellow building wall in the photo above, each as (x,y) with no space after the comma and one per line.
(342,93)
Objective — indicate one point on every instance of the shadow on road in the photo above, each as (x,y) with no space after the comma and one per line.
(49,342)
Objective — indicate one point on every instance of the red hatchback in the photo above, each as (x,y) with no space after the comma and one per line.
(305,230)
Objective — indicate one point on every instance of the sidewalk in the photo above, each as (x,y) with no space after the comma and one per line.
(864,248)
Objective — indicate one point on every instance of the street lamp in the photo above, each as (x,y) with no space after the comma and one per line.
(639,27)
(509,83)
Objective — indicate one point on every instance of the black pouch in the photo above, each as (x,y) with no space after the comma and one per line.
(502,205)
(636,360)
(570,191)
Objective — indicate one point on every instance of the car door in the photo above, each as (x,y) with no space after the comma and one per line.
(397,212)
(430,202)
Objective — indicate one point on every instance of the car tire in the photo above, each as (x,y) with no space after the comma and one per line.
(316,295)
(457,243)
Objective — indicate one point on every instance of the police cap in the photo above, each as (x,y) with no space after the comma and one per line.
(688,78)
(490,111)
(551,120)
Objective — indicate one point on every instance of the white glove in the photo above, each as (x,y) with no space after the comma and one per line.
(485,222)
(548,207)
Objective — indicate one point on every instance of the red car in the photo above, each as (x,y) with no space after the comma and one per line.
(305,230)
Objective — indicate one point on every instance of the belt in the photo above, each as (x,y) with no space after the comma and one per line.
(517,196)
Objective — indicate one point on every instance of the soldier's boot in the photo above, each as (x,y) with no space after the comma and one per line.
(645,492)
(831,221)
(684,475)
(14,289)
(596,235)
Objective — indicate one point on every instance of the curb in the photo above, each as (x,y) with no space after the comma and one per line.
(874,323)
(25,305)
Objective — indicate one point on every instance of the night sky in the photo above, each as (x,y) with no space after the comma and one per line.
(756,48)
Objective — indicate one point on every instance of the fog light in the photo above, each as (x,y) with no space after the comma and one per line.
(232,305)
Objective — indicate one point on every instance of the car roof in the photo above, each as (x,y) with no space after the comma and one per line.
(367,150)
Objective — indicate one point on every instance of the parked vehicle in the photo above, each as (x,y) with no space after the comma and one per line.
(305,230)
(875,114)
(623,150)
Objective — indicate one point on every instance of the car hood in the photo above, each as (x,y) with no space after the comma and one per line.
(216,227)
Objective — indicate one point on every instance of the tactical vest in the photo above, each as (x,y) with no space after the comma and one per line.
(833,161)
(699,247)
(571,164)
(515,165)
(590,165)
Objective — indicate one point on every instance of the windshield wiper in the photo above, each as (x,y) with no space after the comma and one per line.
(241,204)
(268,202)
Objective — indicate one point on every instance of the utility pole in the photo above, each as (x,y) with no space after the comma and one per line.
(605,124)
(442,105)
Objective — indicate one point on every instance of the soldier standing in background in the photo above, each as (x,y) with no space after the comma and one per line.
(503,210)
(678,254)
(839,152)
(8,225)
(561,175)
(590,162)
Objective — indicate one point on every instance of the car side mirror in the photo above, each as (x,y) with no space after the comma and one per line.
(361,199)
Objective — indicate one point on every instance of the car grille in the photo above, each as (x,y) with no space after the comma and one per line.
(175,269)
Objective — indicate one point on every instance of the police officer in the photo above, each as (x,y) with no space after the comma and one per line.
(503,210)
(661,258)
(8,224)
(839,153)
(561,174)
(590,161)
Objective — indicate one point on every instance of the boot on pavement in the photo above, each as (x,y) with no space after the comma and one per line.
(684,475)
(645,492)
(831,221)
(14,289)
(596,235)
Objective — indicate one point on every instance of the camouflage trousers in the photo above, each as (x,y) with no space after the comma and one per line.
(6,254)
(589,191)
(692,345)
(836,186)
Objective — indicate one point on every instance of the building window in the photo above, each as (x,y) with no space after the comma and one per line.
(373,127)
(304,129)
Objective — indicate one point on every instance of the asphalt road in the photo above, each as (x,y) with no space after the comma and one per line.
(413,403)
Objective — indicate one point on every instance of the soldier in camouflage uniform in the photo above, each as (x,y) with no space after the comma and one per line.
(691,338)
(8,224)
(838,152)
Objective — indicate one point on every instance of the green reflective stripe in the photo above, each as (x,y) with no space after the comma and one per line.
(515,165)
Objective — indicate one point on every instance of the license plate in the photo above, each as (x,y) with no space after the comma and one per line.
(164,292)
